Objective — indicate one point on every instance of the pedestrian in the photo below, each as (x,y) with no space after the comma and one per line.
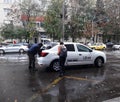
(62,52)
(32,52)
(14,42)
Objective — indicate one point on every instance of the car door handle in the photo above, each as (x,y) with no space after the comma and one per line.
(80,54)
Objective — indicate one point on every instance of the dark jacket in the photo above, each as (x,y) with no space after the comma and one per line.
(34,49)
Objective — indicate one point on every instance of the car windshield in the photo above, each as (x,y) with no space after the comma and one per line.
(10,45)
(82,48)
(55,48)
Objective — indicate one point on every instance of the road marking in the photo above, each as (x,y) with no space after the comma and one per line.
(113,100)
(45,90)
(77,78)
(53,83)
(60,78)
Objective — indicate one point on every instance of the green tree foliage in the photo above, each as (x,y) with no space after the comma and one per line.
(111,28)
(74,26)
(81,11)
(53,21)
(30,10)
(11,32)
(7,32)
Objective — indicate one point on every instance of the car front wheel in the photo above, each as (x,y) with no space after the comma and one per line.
(21,51)
(2,51)
(55,65)
(99,62)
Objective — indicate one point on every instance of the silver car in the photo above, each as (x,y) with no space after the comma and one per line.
(13,48)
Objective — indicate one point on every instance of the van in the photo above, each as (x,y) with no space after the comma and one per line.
(45,41)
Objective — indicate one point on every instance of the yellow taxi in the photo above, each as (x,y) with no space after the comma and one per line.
(97,46)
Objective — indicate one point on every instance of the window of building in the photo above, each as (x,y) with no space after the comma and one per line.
(39,24)
(7,1)
(7,11)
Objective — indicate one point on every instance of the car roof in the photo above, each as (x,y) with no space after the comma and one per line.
(56,46)
(72,43)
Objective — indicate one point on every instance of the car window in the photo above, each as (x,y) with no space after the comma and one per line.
(55,48)
(70,47)
(16,45)
(10,45)
(82,48)
(45,41)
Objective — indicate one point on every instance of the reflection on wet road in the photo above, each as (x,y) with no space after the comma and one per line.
(14,58)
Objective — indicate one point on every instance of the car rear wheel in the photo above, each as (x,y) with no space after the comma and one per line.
(21,51)
(99,62)
(55,65)
(2,51)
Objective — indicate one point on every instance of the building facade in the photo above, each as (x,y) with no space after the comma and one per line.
(5,8)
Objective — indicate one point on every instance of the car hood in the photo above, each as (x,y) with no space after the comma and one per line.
(2,47)
(99,52)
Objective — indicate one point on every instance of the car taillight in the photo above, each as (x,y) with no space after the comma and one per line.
(43,54)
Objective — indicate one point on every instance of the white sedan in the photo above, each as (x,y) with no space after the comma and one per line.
(78,54)
(116,47)
(13,48)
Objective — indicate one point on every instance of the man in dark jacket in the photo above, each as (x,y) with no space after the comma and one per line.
(33,50)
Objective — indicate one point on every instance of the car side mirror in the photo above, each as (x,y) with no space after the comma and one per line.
(91,50)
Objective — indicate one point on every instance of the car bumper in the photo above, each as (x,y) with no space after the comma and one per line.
(42,63)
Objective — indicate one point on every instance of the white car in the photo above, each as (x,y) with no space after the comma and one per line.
(116,47)
(13,48)
(78,54)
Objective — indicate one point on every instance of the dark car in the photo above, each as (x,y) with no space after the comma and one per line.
(109,44)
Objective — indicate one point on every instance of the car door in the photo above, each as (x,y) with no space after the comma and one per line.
(13,48)
(72,56)
(9,48)
(16,47)
(84,54)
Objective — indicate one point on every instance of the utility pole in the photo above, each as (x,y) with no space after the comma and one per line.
(92,31)
(63,20)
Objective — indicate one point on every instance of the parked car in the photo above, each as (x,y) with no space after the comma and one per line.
(116,47)
(3,44)
(49,45)
(78,54)
(13,48)
(109,44)
(23,43)
(45,41)
(97,46)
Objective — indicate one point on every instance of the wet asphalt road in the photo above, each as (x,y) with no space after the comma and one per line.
(81,84)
